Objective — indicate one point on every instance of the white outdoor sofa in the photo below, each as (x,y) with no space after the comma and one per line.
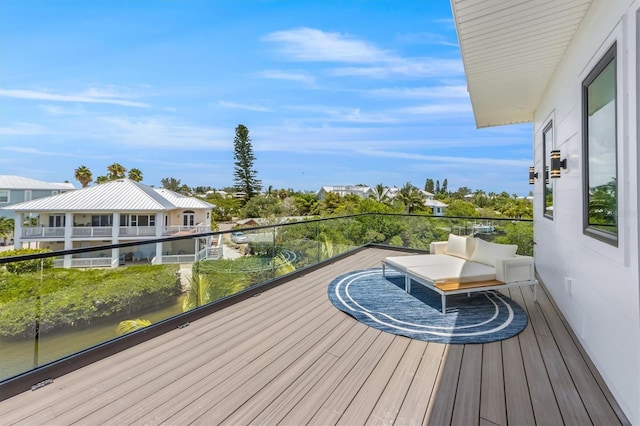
(465,265)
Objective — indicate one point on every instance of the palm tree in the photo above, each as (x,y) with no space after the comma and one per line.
(128,326)
(116,171)
(283,265)
(6,228)
(199,293)
(101,179)
(135,174)
(380,194)
(83,175)
(411,197)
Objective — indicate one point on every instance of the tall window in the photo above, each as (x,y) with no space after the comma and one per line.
(102,220)
(56,221)
(547,147)
(138,220)
(599,118)
(4,196)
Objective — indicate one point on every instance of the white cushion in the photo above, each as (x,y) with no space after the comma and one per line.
(401,263)
(458,246)
(487,253)
(462,271)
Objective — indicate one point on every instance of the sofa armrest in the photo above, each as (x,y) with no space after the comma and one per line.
(438,247)
(514,269)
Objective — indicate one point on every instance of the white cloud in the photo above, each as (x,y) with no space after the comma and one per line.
(426,38)
(308,44)
(446,108)
(25,129)
(90,96)
(158,133)
(411,68)
(450,91)
(290,76)
(312,45)
(248,107)
(440,160)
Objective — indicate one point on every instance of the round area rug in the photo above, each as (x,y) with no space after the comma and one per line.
(381,302)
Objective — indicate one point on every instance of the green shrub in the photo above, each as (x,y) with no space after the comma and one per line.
(25,266)
(71,297)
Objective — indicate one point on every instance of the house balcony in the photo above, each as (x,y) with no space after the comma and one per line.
(279,352)
(92,231)
(42,232)
(184,229)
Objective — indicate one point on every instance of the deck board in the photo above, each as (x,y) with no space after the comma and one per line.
(288,356)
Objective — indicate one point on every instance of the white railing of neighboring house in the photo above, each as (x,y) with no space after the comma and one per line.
(168,230)
(42,232)
(178,258)
(85,262)
(137,231)
(92,231)
(91,262)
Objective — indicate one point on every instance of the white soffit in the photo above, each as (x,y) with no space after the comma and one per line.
(510,50)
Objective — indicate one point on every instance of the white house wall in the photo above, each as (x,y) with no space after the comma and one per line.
(595,284)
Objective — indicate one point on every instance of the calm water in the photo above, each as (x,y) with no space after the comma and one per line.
(18,356)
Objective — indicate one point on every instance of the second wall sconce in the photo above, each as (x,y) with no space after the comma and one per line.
(557,164)
(532,175)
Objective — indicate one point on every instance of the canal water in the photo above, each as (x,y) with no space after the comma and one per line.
(19,355)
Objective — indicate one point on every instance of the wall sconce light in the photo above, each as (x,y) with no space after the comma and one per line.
(533,175)
(557,164)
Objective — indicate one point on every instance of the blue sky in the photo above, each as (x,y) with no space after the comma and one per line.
(333,93)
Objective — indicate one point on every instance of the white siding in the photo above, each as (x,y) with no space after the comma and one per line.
(603,301)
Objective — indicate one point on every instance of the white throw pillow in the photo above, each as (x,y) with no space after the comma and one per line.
(458,246)
(487,253)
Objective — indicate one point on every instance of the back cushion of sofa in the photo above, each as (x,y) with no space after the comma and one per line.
(458,246)
(487,253)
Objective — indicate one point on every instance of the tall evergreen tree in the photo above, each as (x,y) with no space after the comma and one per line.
(243,174)
(429,186)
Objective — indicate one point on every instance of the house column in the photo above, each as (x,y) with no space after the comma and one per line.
(17,230)
(68,243)
(157,260)
(115,235)
(159,232)
(159,224)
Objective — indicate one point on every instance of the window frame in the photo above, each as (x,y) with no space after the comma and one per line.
(610,56)
(546,167)
(8,196)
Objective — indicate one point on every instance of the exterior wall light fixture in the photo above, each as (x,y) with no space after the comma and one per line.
(557,164)
(533,175)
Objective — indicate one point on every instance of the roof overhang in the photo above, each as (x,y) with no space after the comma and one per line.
(510,51)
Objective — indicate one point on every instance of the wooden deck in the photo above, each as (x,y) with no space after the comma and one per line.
(289,357)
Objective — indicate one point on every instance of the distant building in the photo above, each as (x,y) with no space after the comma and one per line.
(18,189)
(364,192)
(115,212)
(361,191)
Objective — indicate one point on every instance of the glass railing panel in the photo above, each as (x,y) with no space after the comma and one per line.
(75,303)
(67,303)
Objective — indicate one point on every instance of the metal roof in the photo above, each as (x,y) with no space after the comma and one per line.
(183,201)
(510,51)
(117,195)
(19,182)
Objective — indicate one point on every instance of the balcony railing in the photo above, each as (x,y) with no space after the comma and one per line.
(91,231)
(51,313)
(43,232)
(171,230)
(137,231)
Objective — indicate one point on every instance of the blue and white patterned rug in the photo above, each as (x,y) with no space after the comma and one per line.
(381,302)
